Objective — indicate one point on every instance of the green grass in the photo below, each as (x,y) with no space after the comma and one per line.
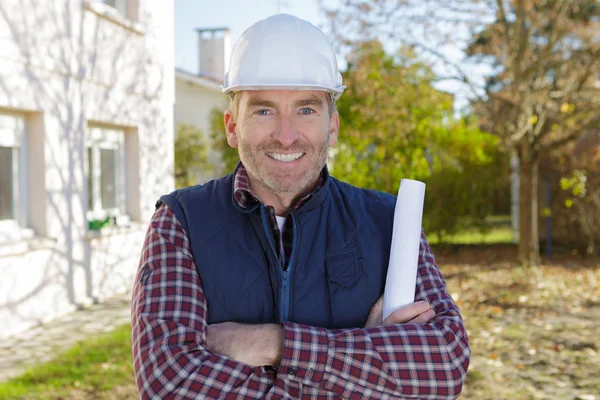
(495,235)
(96,365)
(498,231)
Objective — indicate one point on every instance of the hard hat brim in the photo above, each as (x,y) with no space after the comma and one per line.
(336,92)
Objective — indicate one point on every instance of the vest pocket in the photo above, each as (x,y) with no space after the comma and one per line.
(343,267)
(347,292)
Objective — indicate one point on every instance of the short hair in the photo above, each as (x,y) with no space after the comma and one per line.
(234,102)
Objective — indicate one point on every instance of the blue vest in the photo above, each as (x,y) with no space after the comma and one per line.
(337,267)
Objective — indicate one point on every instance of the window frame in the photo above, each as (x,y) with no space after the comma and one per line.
(120,6)
(18,143)
(104,138)
(126,14)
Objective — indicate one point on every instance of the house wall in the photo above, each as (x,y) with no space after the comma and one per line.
(66,64)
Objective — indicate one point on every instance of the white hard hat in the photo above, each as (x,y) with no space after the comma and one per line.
(283,52)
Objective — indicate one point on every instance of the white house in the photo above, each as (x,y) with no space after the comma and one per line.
(86,142)
(197,94)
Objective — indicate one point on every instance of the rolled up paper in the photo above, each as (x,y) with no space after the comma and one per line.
(404,254)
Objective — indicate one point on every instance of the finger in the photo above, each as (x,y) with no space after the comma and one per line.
(375,315)
(407,313)
(423,318)
(378,306)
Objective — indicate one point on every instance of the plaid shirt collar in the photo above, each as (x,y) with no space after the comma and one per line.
(242,192)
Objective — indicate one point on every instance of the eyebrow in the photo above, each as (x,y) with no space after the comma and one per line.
(311,101)
(261,103)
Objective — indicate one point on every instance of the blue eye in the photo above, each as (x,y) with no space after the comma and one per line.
(307,111)
(262,112)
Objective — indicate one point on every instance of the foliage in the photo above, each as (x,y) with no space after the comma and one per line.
(547,59)
(543,94)
(94,365)
(389,115)
(543,57)
(229,155)
(396,125)
(576,197)
(191,155)
(468,181)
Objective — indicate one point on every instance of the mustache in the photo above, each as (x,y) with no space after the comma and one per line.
(295,147)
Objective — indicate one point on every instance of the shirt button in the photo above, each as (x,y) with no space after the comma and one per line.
(292,371)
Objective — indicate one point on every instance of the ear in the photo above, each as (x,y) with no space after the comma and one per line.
(230,127)
(334,128)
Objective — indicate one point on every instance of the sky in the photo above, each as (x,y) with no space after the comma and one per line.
(237,15)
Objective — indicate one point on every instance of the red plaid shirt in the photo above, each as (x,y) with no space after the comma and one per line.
(169,320)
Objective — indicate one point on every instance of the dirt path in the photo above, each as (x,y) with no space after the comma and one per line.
(534,332)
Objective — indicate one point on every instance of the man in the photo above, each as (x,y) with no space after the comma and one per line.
(265,283)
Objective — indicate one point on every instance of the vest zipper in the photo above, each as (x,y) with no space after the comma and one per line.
(285,271)
(287,275)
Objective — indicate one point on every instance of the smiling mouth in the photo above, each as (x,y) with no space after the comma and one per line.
(285,157)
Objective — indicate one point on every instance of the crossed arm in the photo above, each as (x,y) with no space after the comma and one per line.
(178,355)
(259,345)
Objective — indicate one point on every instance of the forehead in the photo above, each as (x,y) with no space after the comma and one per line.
(281,96)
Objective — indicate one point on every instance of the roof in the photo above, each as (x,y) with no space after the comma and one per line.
(198,80)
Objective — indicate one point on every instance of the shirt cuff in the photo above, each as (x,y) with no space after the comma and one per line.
(305,353)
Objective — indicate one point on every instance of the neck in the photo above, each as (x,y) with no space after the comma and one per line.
(283,202)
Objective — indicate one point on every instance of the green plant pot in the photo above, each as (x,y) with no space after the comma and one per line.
(97,224)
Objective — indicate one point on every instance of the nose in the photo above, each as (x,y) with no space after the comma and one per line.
(286,132)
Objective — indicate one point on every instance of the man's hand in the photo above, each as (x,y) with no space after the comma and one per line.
(419,312)
(255,345)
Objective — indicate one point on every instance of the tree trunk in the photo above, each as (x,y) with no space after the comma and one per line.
(529,248)
(514,194)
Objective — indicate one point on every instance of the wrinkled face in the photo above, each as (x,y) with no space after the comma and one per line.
(282,137)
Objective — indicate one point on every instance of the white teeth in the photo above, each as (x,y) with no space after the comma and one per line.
(285,157)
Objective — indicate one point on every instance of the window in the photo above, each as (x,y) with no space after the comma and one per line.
(121,12)
(105,174)
(119,5)
(12,134)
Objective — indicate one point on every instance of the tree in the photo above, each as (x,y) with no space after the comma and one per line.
(542,91)
(191,155)
(390,117)
(468,181)
(544,94)
(396,125)
(576,200)
(229,155)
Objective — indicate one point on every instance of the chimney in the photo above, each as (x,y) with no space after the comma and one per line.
(215,49)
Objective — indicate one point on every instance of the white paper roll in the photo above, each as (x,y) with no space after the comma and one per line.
(404,254)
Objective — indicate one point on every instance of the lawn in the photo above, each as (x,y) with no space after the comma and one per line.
(495,235)
(533,333)
(497,231)
(94,366)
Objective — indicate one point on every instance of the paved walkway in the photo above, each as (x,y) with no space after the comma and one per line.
(41,343)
